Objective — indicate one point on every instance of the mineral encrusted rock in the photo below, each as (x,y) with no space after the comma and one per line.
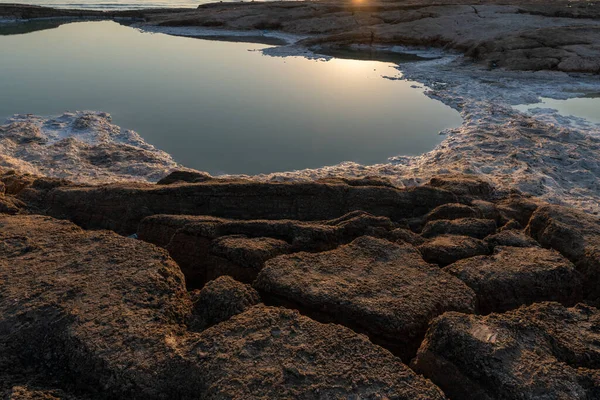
(544,351)
(372,285)
(514,276)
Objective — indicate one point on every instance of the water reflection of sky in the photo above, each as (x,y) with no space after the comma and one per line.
(220,106)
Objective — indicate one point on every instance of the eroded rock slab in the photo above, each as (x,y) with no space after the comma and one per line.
(544,351)
(474,227)
(92,309)
(121,207)
(207,247)
(574,234)
(220,300)
(446,249)
(514,276)
(372,285)
(275,353)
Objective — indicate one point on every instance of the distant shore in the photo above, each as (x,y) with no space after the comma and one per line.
(518,35)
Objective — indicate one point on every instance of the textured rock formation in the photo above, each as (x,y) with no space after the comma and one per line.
(477,228)
(514,276)
(220,300)
(575,235)
(274,353)
(121,207)
(102,315)
(208,247)
(544,351)
(512,238)
(372,285)
(453,211)
(446,249)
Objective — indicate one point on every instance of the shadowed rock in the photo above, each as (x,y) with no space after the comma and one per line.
(576,235)
(512,238)
(544,351)
(374,286)
(220,300)
(406,235)
(91,309)
(185,177)
(208,247)
(477,228)
(446,249)
(453,211)
(515,276)
(121,207)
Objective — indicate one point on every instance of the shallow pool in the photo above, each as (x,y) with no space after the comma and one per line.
(219,106)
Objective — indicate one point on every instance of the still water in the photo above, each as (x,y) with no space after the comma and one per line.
(219,106)
(113,4)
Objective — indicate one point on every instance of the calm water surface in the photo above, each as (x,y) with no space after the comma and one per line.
(218,106)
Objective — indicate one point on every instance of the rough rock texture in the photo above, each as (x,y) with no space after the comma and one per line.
(453,211)
(446,249)
(208,247)
(374,286)
(511,238)
(406,235)
(91,309)
(121,207)
(477,228)
(514,276)
(544,351)
(105,316)
(220,300)
(575,235)
(274,353)
(182,176)
(534,35)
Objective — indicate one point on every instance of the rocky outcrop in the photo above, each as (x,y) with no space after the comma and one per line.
(360,285)
(514,276)
(220,300)
(446,249)
(575,235)
(104,316)
(92,309)
(474,227)
(541,351)
(274,353)
(512,238)
(121,207)
(207,247)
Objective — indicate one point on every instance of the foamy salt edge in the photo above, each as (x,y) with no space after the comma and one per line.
(542,153)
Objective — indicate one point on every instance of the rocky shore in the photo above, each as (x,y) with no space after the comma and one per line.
(198,287)
(514,34)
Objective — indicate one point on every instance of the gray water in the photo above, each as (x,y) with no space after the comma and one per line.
(219,106)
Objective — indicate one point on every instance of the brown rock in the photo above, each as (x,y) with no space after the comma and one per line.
(185,177)
(446,249)
(515,276)
(512,238)
(220,300)
(536,352)
(374,286)
(205,248)
(477,228)
(452,211)
(121,207)
(576,235)
(275,353)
